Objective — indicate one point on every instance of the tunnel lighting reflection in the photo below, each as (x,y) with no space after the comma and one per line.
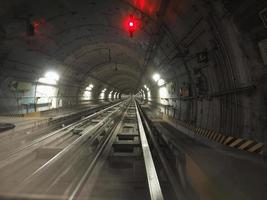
(88,88)
(147,88)
(110,95)
(149,95)
(147,6)
(143,94)
(47,94)
(118,95)
(156,77)
(52,75)
(161,82)
(87,95)
(47,81)
(49,78)
(163,92)
(102,94)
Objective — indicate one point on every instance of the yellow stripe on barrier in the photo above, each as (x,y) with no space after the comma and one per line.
(206,133)
(236,142)
(218,138)
(222,139)
(256,147)
(228,139)
(209,134)
(215,135)
(203,132)
(246,144)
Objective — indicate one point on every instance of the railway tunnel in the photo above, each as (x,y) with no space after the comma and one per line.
(133,99)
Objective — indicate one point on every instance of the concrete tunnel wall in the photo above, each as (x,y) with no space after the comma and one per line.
(227,93)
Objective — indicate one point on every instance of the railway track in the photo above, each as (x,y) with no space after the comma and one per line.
(104,156)
(16,139)
(23,139)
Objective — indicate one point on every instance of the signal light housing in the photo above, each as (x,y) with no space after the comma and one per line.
(131,25)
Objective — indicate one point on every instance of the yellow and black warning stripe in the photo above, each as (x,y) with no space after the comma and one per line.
(238,143)
(233,142)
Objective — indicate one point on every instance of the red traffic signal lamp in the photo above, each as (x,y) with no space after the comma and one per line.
(132,25)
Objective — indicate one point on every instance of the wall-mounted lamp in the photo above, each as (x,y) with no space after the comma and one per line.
(156,77)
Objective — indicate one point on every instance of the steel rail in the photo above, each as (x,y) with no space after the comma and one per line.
(13,155)
(106,146)
(71,147)
(167,168)
(152,177)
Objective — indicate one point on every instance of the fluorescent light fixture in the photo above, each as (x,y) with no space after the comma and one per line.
(161,82)
(156,77)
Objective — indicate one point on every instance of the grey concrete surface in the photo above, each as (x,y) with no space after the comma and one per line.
(215,174)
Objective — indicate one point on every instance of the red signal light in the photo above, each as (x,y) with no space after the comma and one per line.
(131,24)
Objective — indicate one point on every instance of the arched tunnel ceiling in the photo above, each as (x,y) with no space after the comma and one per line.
(107,62)
(80,39)
(87,39)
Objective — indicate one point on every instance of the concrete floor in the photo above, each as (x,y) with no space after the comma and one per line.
(208,173)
